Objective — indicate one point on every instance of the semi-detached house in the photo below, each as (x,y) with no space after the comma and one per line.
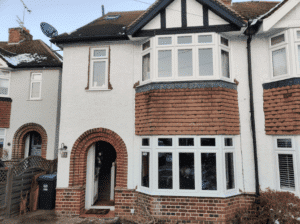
(189,107)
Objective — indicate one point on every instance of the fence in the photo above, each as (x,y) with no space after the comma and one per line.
(17,178)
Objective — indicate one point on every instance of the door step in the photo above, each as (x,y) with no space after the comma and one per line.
(98,213)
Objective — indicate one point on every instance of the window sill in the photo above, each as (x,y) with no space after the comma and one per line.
(279,78)
(93,90)
(35,100)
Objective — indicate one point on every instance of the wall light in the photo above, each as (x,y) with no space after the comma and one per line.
(63,151)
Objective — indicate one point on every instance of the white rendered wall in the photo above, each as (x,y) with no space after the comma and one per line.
(213,19)
(173,14)
(42,112)
(153,24)
(194,13)
(292,19)
(112,109)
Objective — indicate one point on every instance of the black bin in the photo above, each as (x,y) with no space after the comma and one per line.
(47,191)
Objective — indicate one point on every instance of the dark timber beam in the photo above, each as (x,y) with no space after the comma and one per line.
(205,15)
(163,19)
(183,13)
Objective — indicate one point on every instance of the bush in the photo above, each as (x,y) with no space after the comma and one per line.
(270,206)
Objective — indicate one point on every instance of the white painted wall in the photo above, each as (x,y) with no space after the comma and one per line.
(194,13)
(214,19)
(153,24)
(42,112)
(173,14)
(292,19)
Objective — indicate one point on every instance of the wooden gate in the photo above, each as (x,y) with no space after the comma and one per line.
(17,178)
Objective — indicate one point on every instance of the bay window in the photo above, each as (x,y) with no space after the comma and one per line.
(278,48)
(186,57)
(4,83)
(187,165)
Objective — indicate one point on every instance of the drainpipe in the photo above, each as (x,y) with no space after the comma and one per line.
(250,31)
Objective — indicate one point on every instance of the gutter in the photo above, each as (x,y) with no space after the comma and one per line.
(251,30)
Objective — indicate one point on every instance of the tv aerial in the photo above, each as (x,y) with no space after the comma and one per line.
(48,30)
(21,22)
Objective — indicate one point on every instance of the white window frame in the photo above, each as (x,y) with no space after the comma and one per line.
(228,147)
(184,35)
(227,49)
(145,189)
(35,81)
(146,146)
(173,63)
(185,47)
(296,44)
(97,59)
(175,149)
(145,52)
(4,137)
(279,46)
(288,151)
(7,77)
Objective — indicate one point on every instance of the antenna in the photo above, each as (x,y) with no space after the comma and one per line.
(21,23)
(103,10)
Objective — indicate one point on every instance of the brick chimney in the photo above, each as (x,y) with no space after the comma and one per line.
(18,34)
(227,2)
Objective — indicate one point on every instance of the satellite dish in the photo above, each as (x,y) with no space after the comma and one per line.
(48,30)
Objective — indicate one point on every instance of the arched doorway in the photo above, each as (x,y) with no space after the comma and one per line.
(100,176)
(33,144)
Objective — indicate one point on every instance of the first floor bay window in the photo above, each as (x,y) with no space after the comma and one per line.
(187,165)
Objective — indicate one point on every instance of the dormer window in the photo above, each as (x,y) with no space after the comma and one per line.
(278,47)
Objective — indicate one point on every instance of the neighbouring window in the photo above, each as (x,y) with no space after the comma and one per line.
(185,62)
(165,171)
(36,86)
(286,172)
(146,67)
(209,171)
(99,68)
(225,63)
(2,139)
(205,56)
(145,169)
(229,169)
(186,171)
(4,83)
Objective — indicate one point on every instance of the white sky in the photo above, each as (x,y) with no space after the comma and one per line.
(64,15)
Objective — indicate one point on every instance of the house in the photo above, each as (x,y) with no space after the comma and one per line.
(30,75)
(189,107)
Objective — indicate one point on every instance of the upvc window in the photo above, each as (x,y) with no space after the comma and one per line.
(4,83)
(278,51)
(146,60)
(99,68)
(2,139)
(36,86)
(285,157)
(297,45)
(225,57)
(185,165)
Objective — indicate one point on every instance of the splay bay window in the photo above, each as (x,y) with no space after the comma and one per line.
(183,165)
(186,57)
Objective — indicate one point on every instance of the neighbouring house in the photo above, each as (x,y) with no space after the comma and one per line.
(30,74)
(188,107)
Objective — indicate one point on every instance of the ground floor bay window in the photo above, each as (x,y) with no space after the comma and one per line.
(188,166)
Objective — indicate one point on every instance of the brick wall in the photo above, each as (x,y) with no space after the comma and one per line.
(205,111)
(5,112)
(282,110)
(18,34)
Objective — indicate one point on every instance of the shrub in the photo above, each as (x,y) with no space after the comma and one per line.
(270,206)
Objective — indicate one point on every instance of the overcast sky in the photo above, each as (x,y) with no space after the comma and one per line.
(64,15)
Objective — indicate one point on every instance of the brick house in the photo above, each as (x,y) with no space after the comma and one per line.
(189,107)
(30,74)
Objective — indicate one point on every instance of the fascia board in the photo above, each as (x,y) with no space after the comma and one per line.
(269,22)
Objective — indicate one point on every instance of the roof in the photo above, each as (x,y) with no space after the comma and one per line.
(253,9)
(102,27)
(29,54)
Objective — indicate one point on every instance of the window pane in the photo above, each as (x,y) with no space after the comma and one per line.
(145,142)
(228,142)
(146,67)
(1,144)
(186,142)
(204,39)
(208,142)
(145,169)
(165,142)
(184,40)
(2,131)
(185,62)
(4,86)
(205,62)
(229,171)
(35,90)
(186,171)
(164,40)
(165,171)
(298,34)
(224,41)
(279,62)
(146,45)
(36,77)
(284,143)
(209,171)
(225,64)
(100,53)
(99,71)
(286,172)
(278,39)
(165,63)
(299,55)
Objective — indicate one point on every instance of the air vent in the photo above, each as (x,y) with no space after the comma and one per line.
(112,17)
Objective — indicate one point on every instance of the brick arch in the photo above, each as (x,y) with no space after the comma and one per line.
(79,156)
(20,137)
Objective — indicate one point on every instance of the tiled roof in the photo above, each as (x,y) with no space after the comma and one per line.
(253,9)
(102,27)
(29,54)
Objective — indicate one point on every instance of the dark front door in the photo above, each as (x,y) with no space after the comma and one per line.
(35,147)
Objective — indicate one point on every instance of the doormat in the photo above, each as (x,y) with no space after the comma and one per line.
(98,211)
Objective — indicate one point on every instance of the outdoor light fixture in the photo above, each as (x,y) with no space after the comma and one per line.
(63,151)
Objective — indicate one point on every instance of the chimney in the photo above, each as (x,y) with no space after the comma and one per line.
(18,34)
(227,2)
